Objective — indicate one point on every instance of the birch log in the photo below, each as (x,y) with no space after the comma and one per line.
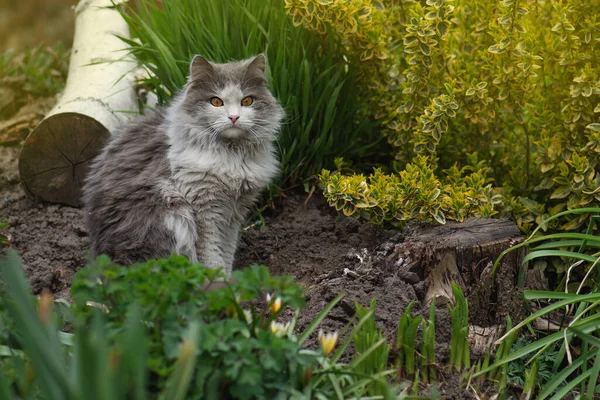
(98,97)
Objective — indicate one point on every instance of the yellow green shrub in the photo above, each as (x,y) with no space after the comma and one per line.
(515,82)
(414,193)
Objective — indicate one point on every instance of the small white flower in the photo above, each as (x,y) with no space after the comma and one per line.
(274,305)
(280,329)
(327,341)
(248,315)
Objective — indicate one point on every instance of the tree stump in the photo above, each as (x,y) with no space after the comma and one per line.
(98,97)
(463,253)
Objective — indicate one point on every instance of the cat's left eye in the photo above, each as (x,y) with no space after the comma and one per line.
(246,101)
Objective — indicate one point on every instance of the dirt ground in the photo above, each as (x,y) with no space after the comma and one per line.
(327,253)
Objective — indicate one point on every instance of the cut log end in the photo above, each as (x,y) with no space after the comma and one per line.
(56,157)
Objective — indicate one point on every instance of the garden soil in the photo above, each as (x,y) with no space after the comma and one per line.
(303,237)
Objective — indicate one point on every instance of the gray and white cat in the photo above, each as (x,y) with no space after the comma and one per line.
(183,179)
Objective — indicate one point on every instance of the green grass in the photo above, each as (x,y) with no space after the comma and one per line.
(459,345)
(308,73)
(406,336)
(366,338)
(575,366)
(34,72)
(154,312)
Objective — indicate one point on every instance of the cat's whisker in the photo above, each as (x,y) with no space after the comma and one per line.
(198,136)
(215,128)
(214,136)
(254,134)
(290,116)
(270,122)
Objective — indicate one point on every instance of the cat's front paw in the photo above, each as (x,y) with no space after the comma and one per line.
(213,262)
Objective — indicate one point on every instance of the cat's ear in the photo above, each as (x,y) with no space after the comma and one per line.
(201,69)
(256,68)
(259,63)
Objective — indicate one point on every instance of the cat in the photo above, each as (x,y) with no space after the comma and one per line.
(183,179)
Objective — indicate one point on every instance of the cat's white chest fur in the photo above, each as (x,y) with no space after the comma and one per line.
(218,186)
(237,172)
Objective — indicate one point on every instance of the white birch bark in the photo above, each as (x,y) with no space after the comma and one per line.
(98,97)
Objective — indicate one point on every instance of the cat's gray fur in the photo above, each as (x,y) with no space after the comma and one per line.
(183,179)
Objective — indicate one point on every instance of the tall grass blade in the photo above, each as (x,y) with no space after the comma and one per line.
(530,380)
(401,339)
(181,377)
(588,325)
(364,338)
(563,391)
(357,327)
(459,345)
(533,239)
(361,358)
(555,306)
(6,391)
(431,339)
(593,380)
(132,372)
(562,376)
(44,352)
(410,339)
(557,253)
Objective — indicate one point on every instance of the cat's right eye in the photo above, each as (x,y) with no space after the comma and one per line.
(216,102)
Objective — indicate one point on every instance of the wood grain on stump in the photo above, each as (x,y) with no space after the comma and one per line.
(463,253)
(56,157)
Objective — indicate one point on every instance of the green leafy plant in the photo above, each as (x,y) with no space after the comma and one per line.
(577,248)
(151,331)
(349,380)
(530,381)
(516,371)
(500,374)
(170,296)
(583,326)
(415,193)
(168,293)
(309,74)
(39,362)
(421,367)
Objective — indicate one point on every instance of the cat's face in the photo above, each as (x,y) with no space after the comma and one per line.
(231,101)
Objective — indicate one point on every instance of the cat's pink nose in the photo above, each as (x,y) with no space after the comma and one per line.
(234,118)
